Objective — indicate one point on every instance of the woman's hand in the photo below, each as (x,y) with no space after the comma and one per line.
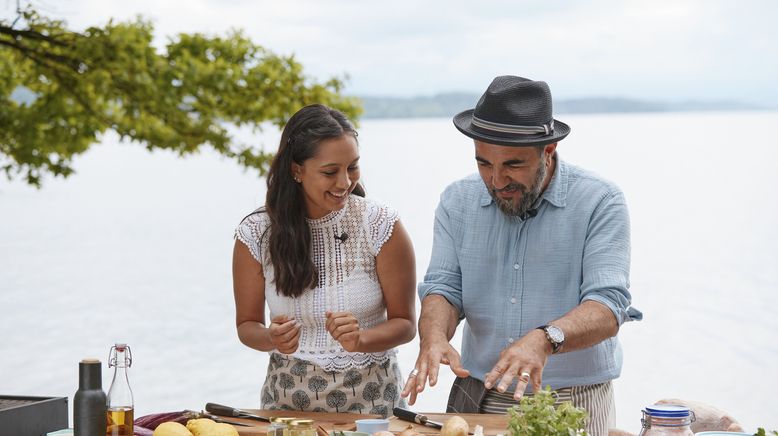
(344,327)
(284,333)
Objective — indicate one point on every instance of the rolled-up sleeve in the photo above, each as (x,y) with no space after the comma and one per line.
(443,276)
(606,259)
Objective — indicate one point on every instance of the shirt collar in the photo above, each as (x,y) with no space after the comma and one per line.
(555,193)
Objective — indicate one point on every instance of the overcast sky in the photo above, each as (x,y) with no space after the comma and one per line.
(660,50)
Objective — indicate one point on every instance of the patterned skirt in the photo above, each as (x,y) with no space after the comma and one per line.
(295,384)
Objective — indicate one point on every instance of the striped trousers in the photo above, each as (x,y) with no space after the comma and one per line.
(469,395)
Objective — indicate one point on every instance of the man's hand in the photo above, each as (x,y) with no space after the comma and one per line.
(285,334)
(344,327)
(432,352)
(525,360)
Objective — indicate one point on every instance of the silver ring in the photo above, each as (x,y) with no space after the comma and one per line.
(524,375)
(413,373)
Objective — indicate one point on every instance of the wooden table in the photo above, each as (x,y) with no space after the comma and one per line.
(492,424)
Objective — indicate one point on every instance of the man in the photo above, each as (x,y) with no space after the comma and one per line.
(534,255)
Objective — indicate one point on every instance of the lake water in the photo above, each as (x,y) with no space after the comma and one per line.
(136,247)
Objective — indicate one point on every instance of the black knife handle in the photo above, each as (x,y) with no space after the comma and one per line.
(218,409)
(409,415)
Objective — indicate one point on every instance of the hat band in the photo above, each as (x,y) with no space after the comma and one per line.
(512,128)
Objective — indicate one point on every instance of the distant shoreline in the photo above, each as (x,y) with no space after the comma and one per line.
(447,105)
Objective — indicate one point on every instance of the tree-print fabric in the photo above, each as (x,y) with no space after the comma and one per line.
(295,384)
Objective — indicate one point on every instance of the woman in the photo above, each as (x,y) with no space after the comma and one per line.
(337,271)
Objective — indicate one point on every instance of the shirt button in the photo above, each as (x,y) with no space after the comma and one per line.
(513,300)
(510,340)
(516,266)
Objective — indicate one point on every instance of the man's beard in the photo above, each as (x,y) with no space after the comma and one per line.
(528,195)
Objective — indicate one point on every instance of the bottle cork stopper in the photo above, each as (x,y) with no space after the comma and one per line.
(90,360)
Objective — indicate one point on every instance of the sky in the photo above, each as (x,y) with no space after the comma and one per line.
(668,50)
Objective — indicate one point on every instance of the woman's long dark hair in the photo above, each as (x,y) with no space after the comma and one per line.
(290,236)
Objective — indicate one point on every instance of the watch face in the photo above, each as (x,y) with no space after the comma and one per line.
(555,333)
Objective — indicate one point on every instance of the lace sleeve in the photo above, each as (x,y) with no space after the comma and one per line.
(251,232)
(380,224)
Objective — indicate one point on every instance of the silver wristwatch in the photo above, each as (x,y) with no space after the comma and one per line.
(555,336)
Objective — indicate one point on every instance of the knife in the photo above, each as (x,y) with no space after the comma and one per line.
(226,421)
(418,418)
(193,414)
(218,409)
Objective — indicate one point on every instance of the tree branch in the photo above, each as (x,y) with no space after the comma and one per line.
(64,60)
(31,34)
(28,53)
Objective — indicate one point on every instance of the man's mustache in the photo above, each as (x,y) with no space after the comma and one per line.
(515,186)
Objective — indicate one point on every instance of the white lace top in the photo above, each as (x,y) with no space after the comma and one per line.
(347,278)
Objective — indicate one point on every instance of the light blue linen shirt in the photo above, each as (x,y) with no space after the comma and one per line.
(507,276)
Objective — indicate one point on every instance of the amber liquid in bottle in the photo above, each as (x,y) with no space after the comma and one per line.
(119,421)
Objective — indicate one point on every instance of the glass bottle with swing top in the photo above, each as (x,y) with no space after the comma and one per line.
(119,415)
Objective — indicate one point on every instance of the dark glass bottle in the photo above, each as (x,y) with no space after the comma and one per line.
(89,401)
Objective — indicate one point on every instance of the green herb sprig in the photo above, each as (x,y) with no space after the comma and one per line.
(536,416)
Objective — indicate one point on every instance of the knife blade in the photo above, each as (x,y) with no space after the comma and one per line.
(218,409)
(226,421)
(194,414)
(418,418)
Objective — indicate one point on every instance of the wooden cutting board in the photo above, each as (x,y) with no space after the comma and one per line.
(492,424)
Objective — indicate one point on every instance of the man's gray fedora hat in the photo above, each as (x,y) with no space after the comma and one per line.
(513,111)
